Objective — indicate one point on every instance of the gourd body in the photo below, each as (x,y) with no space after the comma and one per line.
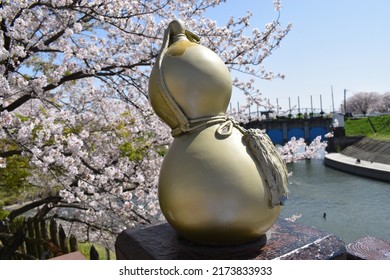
(212,191)
(211,188)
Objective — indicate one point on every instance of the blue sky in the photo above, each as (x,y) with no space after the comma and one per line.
(344,44)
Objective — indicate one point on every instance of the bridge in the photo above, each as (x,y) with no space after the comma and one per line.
(282,129)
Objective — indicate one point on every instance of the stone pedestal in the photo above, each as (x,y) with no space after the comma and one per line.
(285,240)
(368,248)
(70,256)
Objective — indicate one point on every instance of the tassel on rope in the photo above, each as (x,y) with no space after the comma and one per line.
(269,159)
(271,163)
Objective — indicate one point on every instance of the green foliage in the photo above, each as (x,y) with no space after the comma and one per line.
(355,127)
(381,124)
(23,118)
(85,248)
(3,214)
(13,179)
(162,151)
(133,151)
(375,127)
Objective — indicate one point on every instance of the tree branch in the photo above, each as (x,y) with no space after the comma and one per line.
(10,153)
(17,212)
(17,103)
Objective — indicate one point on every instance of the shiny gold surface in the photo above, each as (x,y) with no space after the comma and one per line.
(198,80)
(211,189)
(204,87)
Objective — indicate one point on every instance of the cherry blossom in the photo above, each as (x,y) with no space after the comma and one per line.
(297,149)
(73,98)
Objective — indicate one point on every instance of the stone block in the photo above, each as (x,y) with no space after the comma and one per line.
(285,240)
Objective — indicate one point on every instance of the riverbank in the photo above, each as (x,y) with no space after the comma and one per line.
(370,150)
(367,157)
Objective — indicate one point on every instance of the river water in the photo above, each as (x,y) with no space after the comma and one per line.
(355,206)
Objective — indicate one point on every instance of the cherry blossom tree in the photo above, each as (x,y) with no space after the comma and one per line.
(73,99)
(363,102)
(383,104)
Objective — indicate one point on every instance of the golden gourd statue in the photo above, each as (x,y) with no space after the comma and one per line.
(219,184)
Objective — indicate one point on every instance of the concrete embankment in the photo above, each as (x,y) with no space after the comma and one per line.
(367,157)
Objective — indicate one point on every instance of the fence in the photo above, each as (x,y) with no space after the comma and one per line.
(38,239)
